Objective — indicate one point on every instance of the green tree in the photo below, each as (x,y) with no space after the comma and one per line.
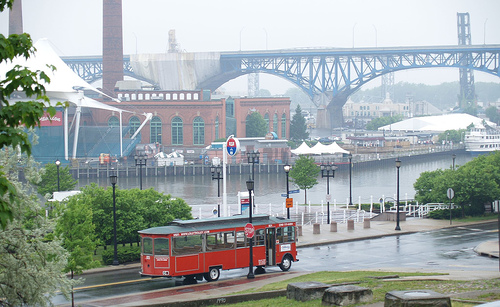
(256,125)
(263,93)
(15,116)
(48,184)
(378,122)
(475,184)
(298,127)
(425,187)
(304,174)
(77,232)
(454,136)
(32,258)
(492,114)
(135,210)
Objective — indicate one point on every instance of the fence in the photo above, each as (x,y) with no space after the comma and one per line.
(302,214)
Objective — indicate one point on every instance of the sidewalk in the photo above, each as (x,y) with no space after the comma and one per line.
(381,229)
(221,290)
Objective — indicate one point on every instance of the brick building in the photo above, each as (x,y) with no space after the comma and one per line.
(192,120)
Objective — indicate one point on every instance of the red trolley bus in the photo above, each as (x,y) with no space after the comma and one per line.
(201,248)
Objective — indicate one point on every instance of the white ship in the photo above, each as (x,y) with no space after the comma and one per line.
(482,140)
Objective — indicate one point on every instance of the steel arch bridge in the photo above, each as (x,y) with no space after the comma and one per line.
(330,76)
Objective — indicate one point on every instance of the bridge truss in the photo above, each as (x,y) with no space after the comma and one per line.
(342,72)
(328,76)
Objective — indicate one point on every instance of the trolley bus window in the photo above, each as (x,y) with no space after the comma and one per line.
(161,246)
(147,246)
(220,240)
(258,239)
(285,234)
(240,239)
(186,245)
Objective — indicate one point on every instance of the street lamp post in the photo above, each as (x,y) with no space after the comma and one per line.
(287,170)
(58,163)
(398,165)
(140,160)
(328,171)
(216,171)
(114,179)
(454,157)
(350,179)
(253,158)
(250,187)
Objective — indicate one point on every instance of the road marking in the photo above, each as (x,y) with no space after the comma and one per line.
(112,284)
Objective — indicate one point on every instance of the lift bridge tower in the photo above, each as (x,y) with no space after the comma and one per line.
(467,98)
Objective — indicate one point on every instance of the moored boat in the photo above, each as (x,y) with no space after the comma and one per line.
(482,139)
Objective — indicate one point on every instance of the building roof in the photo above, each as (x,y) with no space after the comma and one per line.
(439,123)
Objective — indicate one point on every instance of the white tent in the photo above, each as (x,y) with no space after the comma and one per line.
(334,148)
(440,123)
(303,149)
(65,85)
(319,149)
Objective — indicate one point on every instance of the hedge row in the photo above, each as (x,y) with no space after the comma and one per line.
(124,255)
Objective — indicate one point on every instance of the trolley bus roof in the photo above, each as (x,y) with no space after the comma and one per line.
(193,226)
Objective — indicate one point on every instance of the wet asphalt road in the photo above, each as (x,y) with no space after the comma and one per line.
(440,250)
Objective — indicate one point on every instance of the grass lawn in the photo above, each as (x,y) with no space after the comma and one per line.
(483,290)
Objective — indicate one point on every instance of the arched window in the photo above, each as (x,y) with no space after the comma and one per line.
(217,127)
(266,118)
(177,133)
(198,131)
(275,123)
(283,126)
(155,131)
(113,122)
(134,124)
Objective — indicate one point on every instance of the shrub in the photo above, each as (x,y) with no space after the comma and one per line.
(124,255)
(444,214)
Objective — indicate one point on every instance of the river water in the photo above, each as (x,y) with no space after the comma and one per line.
(369,184)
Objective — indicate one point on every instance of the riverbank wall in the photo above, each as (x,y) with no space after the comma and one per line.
(359,161)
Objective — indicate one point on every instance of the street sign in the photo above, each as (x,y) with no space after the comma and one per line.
(249,230)
(232,145)
(289,203)
(294,191)
(450,193)
(284,195)
(328,197)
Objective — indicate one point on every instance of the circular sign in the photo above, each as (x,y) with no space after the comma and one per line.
(249,230)
(232,146)
(450,193)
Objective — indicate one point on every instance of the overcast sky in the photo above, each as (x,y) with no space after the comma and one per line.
(75,27)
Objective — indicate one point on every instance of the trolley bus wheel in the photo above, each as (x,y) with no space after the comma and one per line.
(212,275)
(286,263)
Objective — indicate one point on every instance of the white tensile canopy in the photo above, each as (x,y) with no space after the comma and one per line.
(303,149)
(319,149)
(65,85)
(335,148)
(439,123)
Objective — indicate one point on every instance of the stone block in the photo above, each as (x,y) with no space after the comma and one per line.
(316,229)
(333,227)
(366,223)
(305,291)
(412,298)
(299,230)
(350,224)
(346,295)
